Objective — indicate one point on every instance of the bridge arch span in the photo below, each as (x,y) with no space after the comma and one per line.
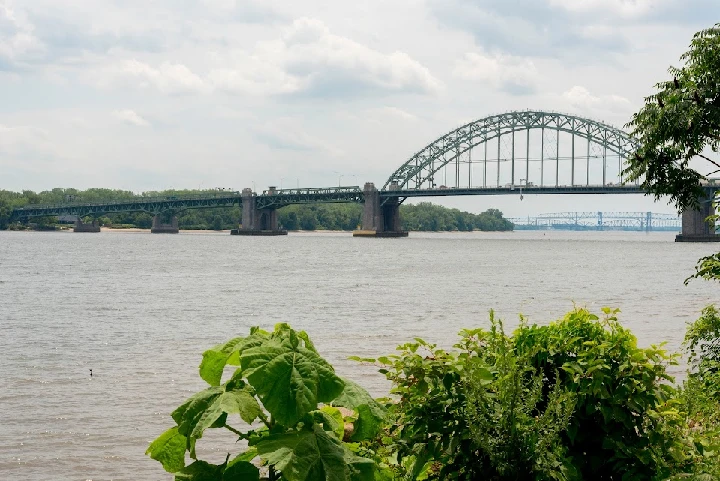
(454,150)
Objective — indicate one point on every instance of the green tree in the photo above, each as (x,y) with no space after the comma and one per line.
(5,212)
(678,130)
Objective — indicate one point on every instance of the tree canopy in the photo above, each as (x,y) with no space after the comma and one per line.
(679,127)
(679,133)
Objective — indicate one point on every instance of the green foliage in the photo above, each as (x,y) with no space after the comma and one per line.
(707,268)
(576,399)
(678,123)
(700,396)
(623,422)
(516,423)
(283,391)
(703,339)
(425,216)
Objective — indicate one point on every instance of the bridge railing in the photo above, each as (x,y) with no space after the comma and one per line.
(313,190)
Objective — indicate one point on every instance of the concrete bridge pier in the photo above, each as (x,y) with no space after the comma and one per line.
(695,227)
(380,220)
(261,222)
(80,226)
(165,223)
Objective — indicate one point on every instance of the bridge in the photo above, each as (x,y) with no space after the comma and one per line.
(516,153)
(638,221)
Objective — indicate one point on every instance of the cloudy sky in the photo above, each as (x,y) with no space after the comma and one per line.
(154,94)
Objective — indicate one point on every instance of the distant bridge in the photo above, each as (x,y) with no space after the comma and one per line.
(643,221)
(515,153)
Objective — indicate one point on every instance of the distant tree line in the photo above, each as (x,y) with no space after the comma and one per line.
(344,217)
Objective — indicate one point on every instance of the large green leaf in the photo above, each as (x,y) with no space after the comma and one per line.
(215,359)
(313,455)
(200,471)
(289,378)
(209,409)
(332,420)
(169,450)
(241,470)
(370,413)
(193,412)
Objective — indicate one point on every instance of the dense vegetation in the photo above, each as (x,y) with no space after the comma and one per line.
(573,400)
(421,217)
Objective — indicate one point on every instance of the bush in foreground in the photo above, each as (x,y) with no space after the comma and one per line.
(574,400)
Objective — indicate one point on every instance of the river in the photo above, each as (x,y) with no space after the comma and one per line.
(139,310)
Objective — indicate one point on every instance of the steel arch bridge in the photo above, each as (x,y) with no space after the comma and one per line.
(489,153)
(601,220)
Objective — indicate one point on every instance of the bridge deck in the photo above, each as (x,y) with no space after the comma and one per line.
(516,190)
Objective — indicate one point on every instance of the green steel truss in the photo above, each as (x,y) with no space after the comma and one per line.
(275,199)
(272,199)
(151,205)
(419,171)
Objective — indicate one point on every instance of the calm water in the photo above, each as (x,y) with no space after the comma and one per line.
(139,309)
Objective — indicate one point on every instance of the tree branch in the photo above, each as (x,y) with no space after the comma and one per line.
(709,160)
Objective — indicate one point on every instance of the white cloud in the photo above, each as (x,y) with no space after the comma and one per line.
(287,134)
(306,60)
(130,117)
(324,61)
(168,78)
(395,113)
(581,99)
(18,42)
(253,75)
(622,8)
(24,147)
(309,59)
(511,74)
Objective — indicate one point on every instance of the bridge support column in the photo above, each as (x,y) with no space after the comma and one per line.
(379,220)
(256,221)
(80,226)
(694,226)
(165,224)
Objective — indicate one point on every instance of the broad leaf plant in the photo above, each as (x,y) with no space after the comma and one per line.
(301,421)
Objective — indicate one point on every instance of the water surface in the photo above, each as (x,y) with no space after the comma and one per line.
(139,309)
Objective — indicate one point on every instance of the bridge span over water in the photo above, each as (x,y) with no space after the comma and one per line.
(515,153)
(635,221)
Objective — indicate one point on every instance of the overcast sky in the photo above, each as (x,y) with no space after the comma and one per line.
(155,94)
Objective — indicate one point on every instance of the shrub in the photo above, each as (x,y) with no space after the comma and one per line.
(289,400)
(701,396)
(576,399)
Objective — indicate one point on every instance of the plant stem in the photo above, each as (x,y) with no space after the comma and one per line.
(239,433)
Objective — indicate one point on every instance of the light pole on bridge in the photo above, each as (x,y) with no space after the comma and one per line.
(340,176)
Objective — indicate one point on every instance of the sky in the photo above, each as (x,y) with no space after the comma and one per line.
(157,94)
